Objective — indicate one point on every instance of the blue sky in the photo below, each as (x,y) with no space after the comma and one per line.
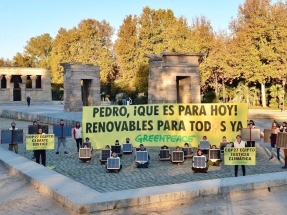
(22,19)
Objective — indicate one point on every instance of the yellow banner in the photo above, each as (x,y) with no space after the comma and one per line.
(240,156)
(39,141)
(159,124)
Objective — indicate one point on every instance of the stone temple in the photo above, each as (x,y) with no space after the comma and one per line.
(174,78)
(81,86)
(18,82)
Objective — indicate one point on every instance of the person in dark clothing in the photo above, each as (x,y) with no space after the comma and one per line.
(40,152)
(28,100)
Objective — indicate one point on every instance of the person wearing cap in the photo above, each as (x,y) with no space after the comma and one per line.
(145,164)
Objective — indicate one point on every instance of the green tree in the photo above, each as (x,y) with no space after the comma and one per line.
(252,32)
(89,43)
(38,50)
(244,93)
(277,94)
(21,60)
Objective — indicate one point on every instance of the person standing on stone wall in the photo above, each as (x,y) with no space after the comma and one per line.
(77,133)
(11,145)
(28,100)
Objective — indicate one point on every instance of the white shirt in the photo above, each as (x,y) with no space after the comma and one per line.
(239,145)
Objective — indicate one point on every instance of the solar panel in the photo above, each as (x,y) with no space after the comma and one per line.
(281,140)
(252,134)
(204,144)
(105,154)
(214,155)
(117,149)
(6,136)
(89,144)
(188,152)
(62,131)
(164,154)
(141,156)
(127,147)
(113,163)
(199,161)
(84,153)
(177,156)
(33,129)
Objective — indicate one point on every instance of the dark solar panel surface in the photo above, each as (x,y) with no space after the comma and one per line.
(67,131)
(105,154)
(89,144)
(141,156)
(164,154)
(199,161)
(33,129)
(116,148)
(113,163)
(187,152)
(127,147)
(203,144)
(177,156)
(6,136)
(214,154)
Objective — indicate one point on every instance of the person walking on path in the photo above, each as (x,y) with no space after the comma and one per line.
(28,100)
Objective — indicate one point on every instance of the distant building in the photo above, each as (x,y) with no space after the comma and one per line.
(19,82)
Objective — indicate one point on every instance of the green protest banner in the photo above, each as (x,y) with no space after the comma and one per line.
(240,156)
(39,141)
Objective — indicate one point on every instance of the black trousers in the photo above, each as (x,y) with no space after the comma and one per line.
(41,153)
(79,142)
(236,170)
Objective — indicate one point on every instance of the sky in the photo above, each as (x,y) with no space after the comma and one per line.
(21,20)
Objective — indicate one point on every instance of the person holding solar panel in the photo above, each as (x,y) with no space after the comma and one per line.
(85,145)
(115,156)
(214,163)
(13,144)
(141,163)
(202,169)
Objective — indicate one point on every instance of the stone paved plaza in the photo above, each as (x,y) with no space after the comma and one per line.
(94,175)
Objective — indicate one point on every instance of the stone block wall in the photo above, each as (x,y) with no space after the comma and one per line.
(78,76)
(42,94)
(174,78)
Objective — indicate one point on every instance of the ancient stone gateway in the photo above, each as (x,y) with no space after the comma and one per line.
(174,78)
(18,82)
(81,86)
